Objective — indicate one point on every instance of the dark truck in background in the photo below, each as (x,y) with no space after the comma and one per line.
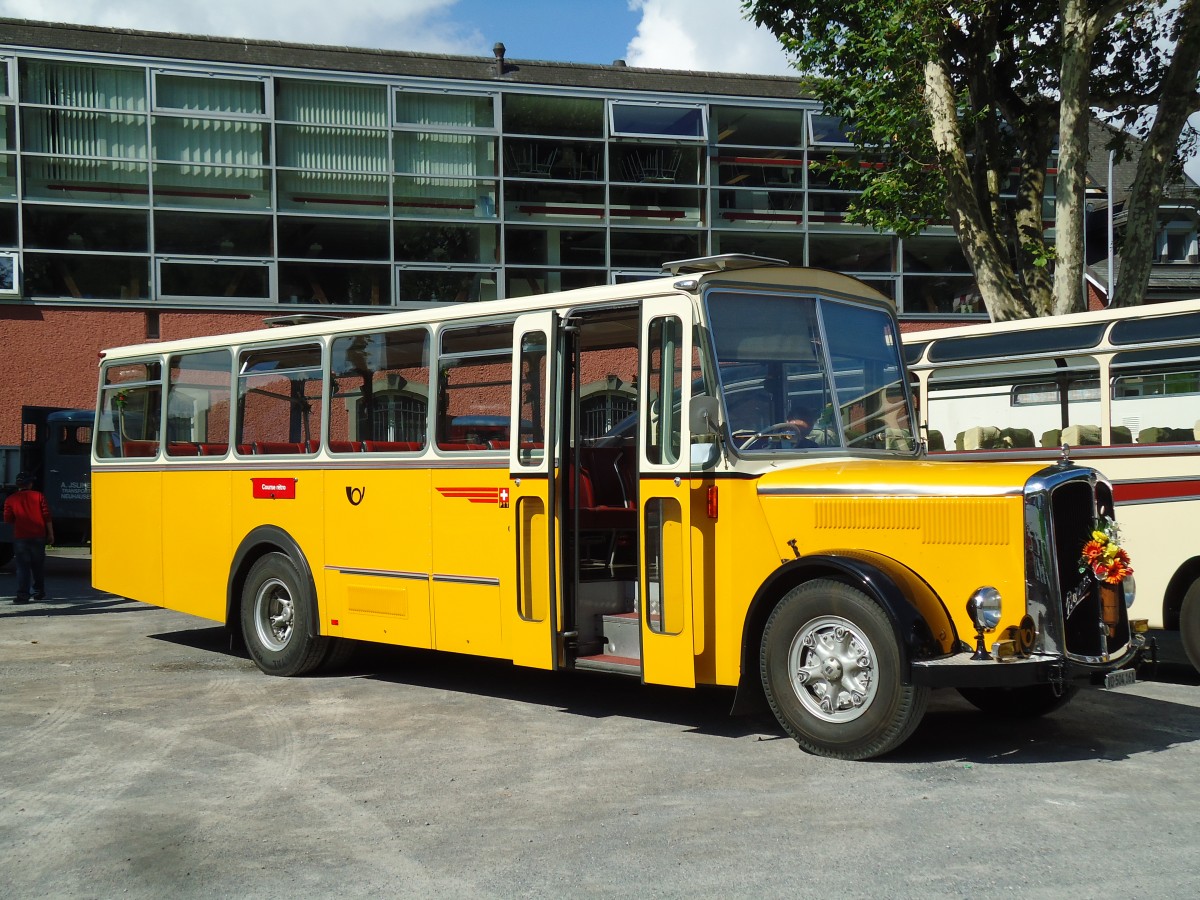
(55,449)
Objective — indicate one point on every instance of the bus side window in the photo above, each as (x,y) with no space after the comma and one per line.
(199,386)
(663,427)
(279,397)
(378,392)
(474,388)
(1157,402)
(130,411)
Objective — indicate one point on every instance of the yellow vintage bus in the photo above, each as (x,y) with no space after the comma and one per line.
(706,478)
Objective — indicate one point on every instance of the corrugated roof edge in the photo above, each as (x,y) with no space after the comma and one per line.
(56,35)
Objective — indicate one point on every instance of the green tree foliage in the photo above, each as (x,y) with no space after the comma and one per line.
(955,111)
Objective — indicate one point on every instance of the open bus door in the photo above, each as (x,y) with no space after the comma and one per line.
(531,623)
(664,504)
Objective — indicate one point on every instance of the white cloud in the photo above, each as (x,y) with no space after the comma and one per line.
(703,35)
(395,24)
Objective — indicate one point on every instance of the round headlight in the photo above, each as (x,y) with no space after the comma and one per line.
(984,608)
(1130,590)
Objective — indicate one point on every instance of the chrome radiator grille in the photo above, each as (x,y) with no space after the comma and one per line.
(1062,504)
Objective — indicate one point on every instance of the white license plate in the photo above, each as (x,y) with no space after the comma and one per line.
(1120,678)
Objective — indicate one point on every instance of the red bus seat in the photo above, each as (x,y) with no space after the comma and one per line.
(139,449)
(182,448)
(277,447)
(391,446)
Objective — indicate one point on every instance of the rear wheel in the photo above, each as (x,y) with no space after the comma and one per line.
(279,618)
(1189,623)
(831,668)
(341,652)
(1027,702)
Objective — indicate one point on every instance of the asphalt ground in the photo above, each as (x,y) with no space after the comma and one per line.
(140,757)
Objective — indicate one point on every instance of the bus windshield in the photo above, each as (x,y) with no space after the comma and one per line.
(798,373)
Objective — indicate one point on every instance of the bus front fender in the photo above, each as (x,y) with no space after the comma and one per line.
(920,620)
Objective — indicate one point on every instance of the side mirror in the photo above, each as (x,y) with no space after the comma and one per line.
(703,412)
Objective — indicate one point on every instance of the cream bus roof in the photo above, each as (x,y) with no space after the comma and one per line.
(1098,319)
(769,274)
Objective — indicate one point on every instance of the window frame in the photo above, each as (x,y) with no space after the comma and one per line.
(394,118)
(264,82)
(240,374)
(701,109)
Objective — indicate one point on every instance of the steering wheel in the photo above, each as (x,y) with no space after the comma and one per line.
(774,432)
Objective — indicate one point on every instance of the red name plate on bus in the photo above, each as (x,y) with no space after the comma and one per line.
(274,488)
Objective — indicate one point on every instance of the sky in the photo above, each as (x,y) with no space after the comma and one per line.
(708,35)
(700,35)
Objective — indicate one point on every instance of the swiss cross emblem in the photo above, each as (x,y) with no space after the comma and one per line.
(503,498)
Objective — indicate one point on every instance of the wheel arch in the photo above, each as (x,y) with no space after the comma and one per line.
(923,626)
(254,546)
(1185,576)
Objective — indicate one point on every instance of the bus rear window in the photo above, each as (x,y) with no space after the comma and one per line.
(130,411)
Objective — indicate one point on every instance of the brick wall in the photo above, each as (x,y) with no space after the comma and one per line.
(49,355)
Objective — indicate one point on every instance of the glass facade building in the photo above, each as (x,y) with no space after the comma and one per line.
(196,173)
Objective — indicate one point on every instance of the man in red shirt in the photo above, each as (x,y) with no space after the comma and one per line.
(29,515)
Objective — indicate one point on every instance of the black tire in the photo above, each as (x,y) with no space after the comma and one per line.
(1189,623)
(871,710)
(341,651)
(279,618)
(6,554)
(1027,702)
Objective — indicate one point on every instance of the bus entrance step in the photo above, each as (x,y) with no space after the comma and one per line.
(606,663)
(622,635)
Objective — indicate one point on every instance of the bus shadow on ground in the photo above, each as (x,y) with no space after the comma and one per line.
(591,695)
(1095,725)
(67,604)
(587,694)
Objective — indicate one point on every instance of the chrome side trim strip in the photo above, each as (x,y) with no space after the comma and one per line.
(379,573)
(236,466)
(888,490)
(466,579)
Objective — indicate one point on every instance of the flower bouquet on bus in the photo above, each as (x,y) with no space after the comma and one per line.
(1108,562)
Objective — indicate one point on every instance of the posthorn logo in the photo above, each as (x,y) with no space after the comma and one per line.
(355,495)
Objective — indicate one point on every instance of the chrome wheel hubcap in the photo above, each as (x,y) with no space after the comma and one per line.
(832,666)
(274,614)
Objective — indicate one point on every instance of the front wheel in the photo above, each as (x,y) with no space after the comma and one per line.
(1189,623)
(832,672)
(279,618)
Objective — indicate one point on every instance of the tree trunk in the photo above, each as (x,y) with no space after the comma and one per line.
(1077,37)
(1027,219)
(1179,101)
(993,274)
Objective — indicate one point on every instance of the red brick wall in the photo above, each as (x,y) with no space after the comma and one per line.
(911,327)
(49,355)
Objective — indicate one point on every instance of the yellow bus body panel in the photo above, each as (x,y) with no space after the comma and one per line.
(958,527)
(377,555)
(127,533)
(301,517)
(196,541)
(474,554)
(742,555)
